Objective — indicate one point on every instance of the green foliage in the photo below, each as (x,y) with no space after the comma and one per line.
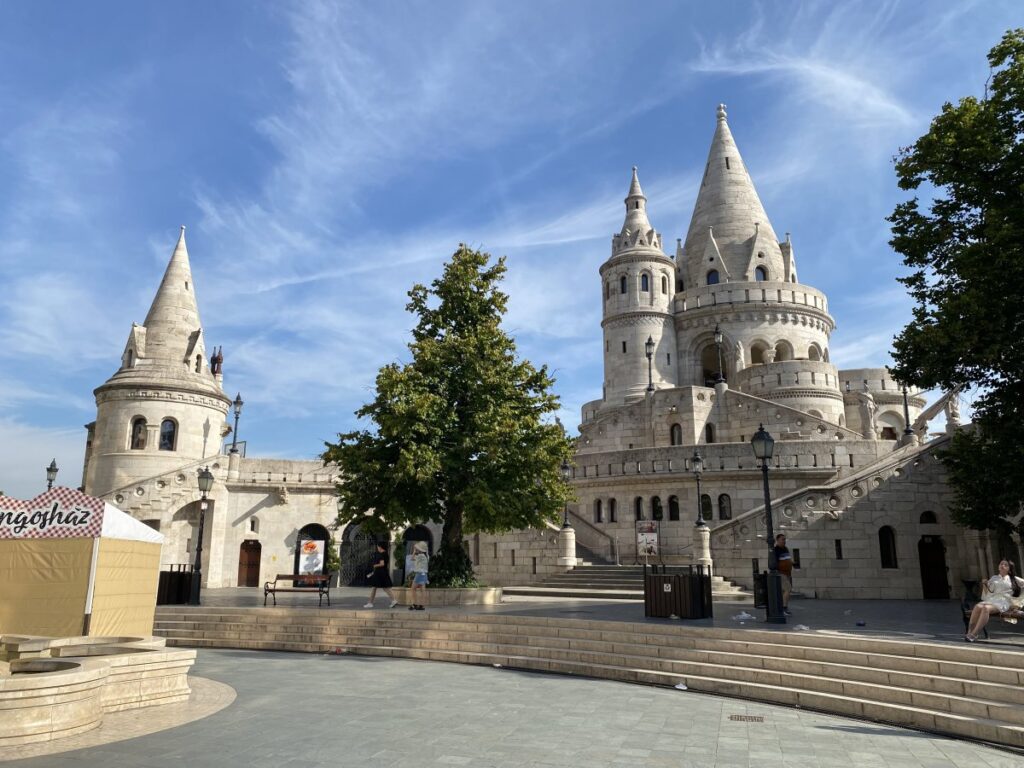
(965,247)
(451,567)
(457,435)
(332,559)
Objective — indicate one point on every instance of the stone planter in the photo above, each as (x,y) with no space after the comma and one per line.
(437,598)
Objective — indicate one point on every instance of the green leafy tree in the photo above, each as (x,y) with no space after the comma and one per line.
(965,246)
(458,433)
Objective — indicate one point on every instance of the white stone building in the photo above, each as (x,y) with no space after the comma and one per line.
(162,417)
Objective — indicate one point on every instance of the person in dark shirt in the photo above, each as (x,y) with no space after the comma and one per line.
(379,576)
(784,564)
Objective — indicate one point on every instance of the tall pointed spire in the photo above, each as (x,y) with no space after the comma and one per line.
(173,317)
(728,206)
(636,215)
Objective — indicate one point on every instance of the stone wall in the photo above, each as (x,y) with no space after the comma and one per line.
(519,557)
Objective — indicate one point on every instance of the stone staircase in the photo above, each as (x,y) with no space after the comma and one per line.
(612,582)
(962,690)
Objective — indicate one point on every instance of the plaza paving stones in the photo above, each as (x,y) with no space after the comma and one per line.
(313,710)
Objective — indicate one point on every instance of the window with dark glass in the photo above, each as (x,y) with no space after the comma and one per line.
(168,433)
(676,435)
(760,274)
(887,546)
(706,512)
(622,284)
(713,277)
(673,507)
(645,283)
(638,508)
(724,507)
(656,513)
(138,436)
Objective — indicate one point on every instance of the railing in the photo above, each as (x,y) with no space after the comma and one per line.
(594,539)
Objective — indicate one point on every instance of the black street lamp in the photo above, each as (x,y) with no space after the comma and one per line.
(566,475)
(697,467)
(764,445)
(649,351)
(718,343)
(51,474)
(237,406)
(906,413)
(205,485)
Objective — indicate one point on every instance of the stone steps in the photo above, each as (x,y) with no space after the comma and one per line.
(610,582)
(965,691)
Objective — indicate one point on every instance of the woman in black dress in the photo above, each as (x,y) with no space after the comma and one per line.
(379,576)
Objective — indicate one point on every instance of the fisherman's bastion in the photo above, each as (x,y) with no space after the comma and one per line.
(703,343)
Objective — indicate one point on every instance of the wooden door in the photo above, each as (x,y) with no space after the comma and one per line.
(249,563)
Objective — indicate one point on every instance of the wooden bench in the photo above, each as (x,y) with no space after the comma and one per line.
(972,596)
(301,582)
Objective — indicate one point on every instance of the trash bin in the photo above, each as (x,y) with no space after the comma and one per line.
(174,586)
(662,595)
(761,590)
(696,594)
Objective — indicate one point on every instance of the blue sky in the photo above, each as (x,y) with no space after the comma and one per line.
(325,156)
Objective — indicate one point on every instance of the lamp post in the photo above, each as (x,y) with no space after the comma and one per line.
(205,485)
(237,406)
(764,445)
(649,351)
(51,474)
(906,414)
(566,474)
(718,344)
(697,467)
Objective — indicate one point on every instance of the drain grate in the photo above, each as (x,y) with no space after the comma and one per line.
(747,718)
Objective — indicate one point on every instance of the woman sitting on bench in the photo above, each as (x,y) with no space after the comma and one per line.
(1000,594)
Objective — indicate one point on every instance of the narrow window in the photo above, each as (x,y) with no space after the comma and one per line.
(168,433)
(727,163)
(623,347)
(705,507)
(713,277)
(796,558)
(760,274)
(673,507)
(839,549)
(724,507)
(534,559)
(679,285)
(199,363)
(887,546)
(664,284)
(138,437)
(513,558)
(645,283)
(638,508)
(675,435)
(129,361)
(598,516)
(611,510)
(709,433)
(636,205)
(668,358)
(622,284)
(254,525)
(607,290)
(656,513)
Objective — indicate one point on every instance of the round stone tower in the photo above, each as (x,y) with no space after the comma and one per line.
(738,277)
(637,287)
(163,407)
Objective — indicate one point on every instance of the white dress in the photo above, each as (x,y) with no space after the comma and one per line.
(1000,593)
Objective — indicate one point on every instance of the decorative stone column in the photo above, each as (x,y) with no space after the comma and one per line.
(567,547)
(234,464)
(704,547)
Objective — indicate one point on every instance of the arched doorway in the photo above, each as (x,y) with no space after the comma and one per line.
(931,553)
(249,563)
(311,532)
(357,548)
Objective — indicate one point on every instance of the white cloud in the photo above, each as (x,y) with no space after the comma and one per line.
(26,451)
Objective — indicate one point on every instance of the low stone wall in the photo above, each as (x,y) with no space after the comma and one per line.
(439,597)
(56,687)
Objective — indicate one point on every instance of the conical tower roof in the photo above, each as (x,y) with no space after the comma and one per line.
(173,314)
(728,216)
(636,209)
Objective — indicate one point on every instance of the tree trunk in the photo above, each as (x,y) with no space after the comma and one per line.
(451,533)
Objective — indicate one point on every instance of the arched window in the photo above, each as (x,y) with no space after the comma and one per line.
(760,274)
(928,518)
(138,436)
(598,514)
(709,433)
(129,359)
(622,284)
(168,434)
(705,507)
(664,284)
(813,352)
(783,351)
(675,434)
(673,507)
(887,546)
(713,277)
(645,282)
(638,508)
(656,513)
(724,507)
(611,510)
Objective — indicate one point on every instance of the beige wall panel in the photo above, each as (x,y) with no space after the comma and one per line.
(43,584)
(124,600)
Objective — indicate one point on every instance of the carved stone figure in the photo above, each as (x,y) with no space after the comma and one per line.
(867,414)
(953,409)
(740,364)
(769,356)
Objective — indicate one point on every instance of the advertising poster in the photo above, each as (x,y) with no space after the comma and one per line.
(647,538)
(311,556)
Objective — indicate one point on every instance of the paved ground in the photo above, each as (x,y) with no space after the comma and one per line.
(926,619)
(299,710)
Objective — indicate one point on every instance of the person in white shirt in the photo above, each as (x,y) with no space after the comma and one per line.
(1001,593)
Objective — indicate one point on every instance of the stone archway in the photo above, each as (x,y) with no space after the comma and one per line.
(357,548)
(931,553)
